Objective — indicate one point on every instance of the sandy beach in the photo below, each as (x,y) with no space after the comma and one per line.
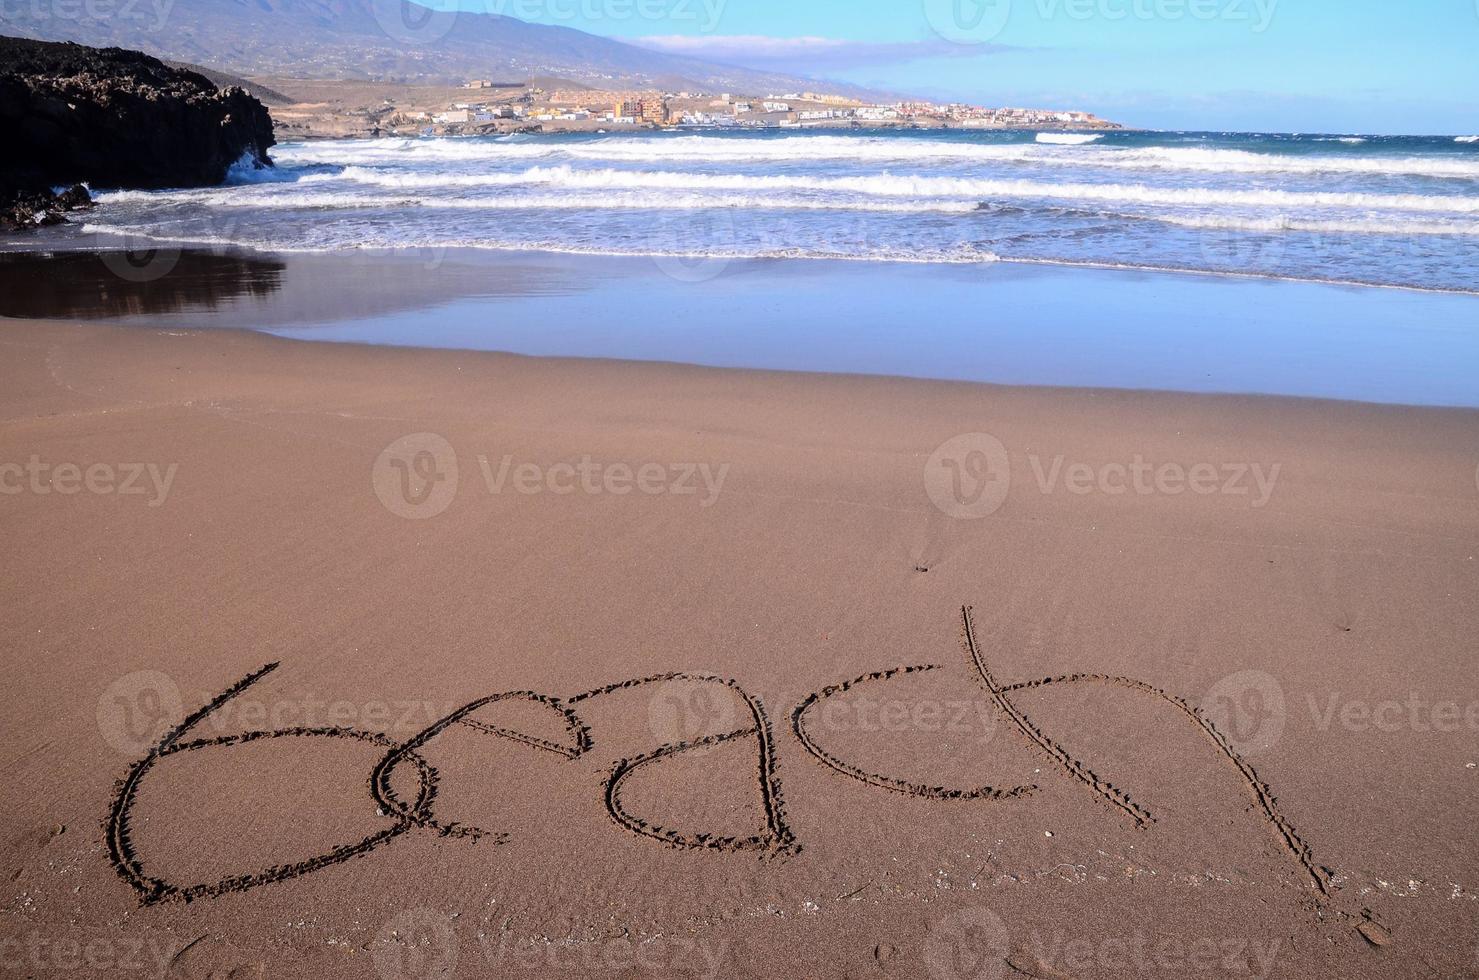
(792,492)
(601,668)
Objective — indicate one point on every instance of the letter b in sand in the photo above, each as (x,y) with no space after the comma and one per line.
(416,476)
(969,477)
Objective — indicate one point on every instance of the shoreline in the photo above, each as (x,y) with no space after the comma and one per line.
(218,245)
(577,361)
(1002,323)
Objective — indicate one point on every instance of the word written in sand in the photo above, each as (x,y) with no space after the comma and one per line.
(416,810)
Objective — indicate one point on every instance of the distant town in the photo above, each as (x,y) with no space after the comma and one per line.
(491,106)
(307,109)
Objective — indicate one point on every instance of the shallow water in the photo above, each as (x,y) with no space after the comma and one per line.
(1043,325)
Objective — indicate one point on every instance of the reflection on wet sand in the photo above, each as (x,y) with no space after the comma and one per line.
(1000,323)
(93,285)
(241,289)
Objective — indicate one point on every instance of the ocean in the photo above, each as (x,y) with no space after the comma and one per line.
(1384,211)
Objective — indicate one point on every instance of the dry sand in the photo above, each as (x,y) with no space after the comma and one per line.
(1256,758)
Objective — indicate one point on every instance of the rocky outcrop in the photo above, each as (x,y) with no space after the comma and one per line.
(20,209)
(113,118)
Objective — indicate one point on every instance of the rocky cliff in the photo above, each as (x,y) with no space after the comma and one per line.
(113,118)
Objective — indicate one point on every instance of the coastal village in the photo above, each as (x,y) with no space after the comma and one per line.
(308,110)
(495,107)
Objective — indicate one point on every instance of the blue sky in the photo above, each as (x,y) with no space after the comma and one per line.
(1370,66)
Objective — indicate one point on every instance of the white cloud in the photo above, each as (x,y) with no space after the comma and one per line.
(806,52)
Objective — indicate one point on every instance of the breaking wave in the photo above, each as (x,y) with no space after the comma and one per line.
(1388,210)
(914,185)
(1068,139)
(877,149)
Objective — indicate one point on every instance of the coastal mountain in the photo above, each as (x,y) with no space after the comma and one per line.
(387,40)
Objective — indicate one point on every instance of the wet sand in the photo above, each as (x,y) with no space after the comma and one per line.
(999,323)
(600,668)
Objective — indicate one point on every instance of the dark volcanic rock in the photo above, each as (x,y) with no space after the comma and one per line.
(116,118)
(31,209)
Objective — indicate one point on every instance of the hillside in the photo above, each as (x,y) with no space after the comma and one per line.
(266,95)
(367,39)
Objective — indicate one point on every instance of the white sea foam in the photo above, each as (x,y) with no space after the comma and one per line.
(955,255)
(234,198)
(1466,139)
(604,198)
(906,185)
(1069,139)
(668,202)
(1282,223)
(1215,161)
(862,150)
